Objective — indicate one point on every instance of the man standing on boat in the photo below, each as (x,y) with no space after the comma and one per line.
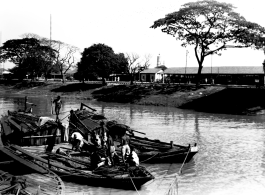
(103,128)
(58,104)
(109,144)
(125,148)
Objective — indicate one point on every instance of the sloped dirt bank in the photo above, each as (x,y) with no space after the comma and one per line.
(215,99)
(231,101)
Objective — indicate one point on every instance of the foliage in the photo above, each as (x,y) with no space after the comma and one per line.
(65,58)
(65,54)
(136,64)
(163,67)
(211,27)
(100,60)
(28,54)
(121,63)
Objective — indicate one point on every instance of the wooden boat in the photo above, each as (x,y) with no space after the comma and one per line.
(32,183)
(36,179)
(26,129)
(84,120)
(10,184)
(79,171)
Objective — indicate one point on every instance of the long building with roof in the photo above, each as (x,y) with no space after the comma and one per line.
(243,75)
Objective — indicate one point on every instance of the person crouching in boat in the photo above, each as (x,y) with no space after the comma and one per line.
(77,141)
(133,159)
(99,151)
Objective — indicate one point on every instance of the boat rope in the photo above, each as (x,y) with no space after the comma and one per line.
(184,160)
(65,112)
(164,176)
(62,112)
(134,186)
(149,158)
(170,191)
(64,117)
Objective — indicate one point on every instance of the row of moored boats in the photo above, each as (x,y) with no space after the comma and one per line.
(54,160)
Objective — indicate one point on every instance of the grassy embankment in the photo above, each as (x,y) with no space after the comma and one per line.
(215,99)
(66,90)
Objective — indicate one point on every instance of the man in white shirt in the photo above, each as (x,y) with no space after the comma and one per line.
(77,141)
(133,159)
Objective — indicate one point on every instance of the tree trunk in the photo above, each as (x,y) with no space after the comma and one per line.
(62,77)
(104,81)
(198,79)
(46,75)
(131,83)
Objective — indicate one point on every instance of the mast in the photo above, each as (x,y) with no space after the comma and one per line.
(50,29)
(1,64)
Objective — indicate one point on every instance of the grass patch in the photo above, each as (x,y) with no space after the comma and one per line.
(76,87)
(29,84)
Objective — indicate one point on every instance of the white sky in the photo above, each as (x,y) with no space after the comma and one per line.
(121,24)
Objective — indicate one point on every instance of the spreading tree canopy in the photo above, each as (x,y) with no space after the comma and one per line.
(28,54)
(136,64)
(65,54)
(99,60)
(211,27)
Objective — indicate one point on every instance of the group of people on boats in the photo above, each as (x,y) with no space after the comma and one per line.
(103,150)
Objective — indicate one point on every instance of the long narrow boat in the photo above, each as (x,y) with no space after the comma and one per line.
(26,129)
(78,171)
(85,119)
(10,184)
(36,179)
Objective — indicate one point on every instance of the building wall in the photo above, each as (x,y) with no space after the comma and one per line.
(151,77)
(234,79)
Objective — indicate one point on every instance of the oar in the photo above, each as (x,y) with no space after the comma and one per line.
(138,132)
(51,107)
(82,104)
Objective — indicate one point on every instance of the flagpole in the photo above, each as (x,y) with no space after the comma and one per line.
(186,64)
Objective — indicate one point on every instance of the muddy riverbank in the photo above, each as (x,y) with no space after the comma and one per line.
(216,99)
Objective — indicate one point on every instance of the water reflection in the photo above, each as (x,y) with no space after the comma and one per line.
(231,159)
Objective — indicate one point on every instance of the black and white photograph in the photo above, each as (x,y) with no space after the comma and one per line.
(132,97)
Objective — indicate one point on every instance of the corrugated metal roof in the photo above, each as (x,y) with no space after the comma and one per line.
(217,70)
(151,70)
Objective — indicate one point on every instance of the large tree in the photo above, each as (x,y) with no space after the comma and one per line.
(99,60)
(28,54)
(211,27)
(136,64)
(65,58)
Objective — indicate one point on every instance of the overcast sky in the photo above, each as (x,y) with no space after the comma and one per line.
(121,24)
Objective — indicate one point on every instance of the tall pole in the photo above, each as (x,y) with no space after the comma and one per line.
(1,46)
(50,29)
(211,64)
(212,69)
(50,41)
(186,63)
(2,64)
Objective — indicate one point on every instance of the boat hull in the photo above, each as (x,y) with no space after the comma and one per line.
(118,183)
(148,150)
(22,129)
(114,177)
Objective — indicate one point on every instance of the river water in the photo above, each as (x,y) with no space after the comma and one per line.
(231,157)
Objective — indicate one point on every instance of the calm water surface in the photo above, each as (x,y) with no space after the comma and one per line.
(231,158)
